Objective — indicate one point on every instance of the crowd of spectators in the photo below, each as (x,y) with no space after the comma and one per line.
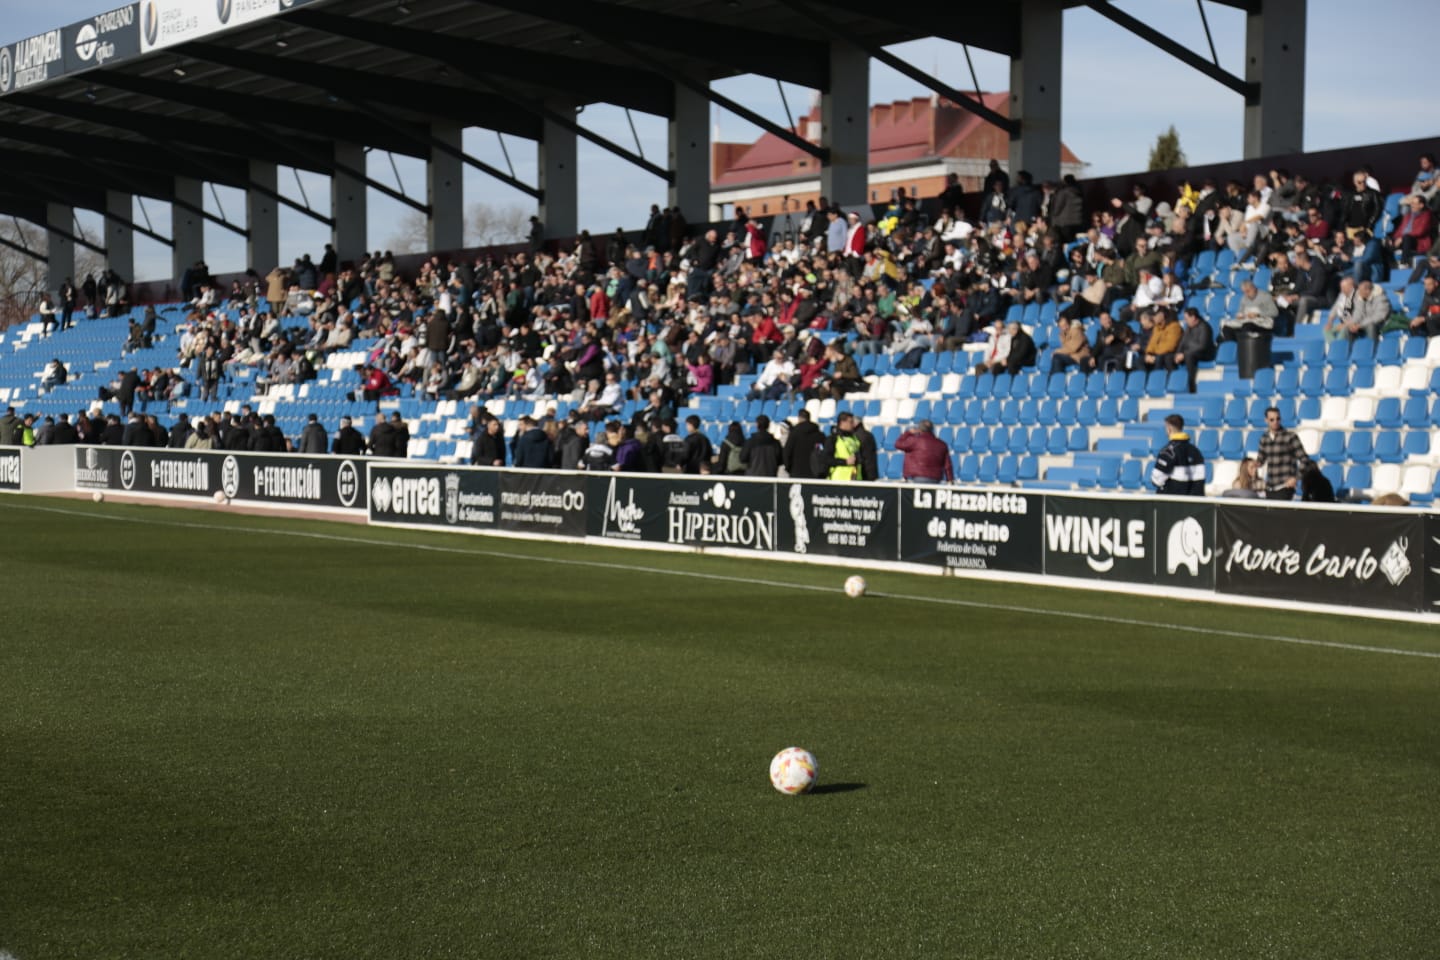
(678,313)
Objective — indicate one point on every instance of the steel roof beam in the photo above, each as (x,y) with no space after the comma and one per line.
(205,136)
(442,101)
(334,124)
(746,51)
(622,86)
(1148,33)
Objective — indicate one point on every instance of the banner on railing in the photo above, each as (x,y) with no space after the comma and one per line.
(972,529)
(685,511)
(858,520)
(1355,558)
(329,482)
(10,469)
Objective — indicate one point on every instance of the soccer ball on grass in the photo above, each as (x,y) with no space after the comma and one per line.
(793,771)
(855,587)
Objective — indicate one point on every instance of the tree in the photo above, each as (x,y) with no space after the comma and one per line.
(23,278)
(485,225)
(491,224)
(1167,154)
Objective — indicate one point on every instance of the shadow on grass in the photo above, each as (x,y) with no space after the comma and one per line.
(838,788)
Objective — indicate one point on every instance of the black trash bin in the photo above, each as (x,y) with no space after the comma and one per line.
(1252,351)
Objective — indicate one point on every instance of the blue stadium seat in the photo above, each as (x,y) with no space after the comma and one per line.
(1357,480)
(1387,413)
(1360,446)
(1332,445)
(967,386)
(980,440)
(1107,412)
(1225,354)
(1132,475)
(1232,445)
(1057,441)
(1415,348)
(1028,469)
(1388,447)
(1115,383)
(1036,441)
(969,468)
(1079,439)
(984,386)
(1135,383)
(1046,413)
(1208,443)
(1416,444)
(1009,470)
(989,468)
(1337,382)
(1387,354)
(960,440)
(1416,413)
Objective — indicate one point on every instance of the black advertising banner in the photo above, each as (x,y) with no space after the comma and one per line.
(105,37)
(1356,559)
(113,35)
(332,482)
(1185,537)
(9,469)
(33,60)
(1432,563)
(434,496)
(544,503)
(839,519)
(696,512)
(971,529)
(1100,539)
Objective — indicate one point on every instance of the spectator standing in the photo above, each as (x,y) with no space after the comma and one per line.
(1180,467)
(927,457)
(1282,456)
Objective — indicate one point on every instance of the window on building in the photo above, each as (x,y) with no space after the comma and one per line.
(874,195)
(764,208)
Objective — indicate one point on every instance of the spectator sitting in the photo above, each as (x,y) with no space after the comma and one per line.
(1255,314)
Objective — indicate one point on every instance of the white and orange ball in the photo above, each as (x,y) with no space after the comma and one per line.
(793,771)
(855,587)
(98,497)
(220,497)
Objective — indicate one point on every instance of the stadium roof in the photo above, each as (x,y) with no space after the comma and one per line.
(138,94)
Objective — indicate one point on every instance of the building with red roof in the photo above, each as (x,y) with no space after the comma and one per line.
(914,144)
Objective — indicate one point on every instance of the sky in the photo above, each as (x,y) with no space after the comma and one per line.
(1119,94)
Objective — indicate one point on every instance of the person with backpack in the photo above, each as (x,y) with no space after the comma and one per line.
(728,459)
(672,447)
(803,456)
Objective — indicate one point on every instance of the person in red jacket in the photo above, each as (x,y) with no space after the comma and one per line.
(927,457)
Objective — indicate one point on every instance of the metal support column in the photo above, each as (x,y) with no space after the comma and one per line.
(262,218)
(119,237)
(845,126)
(187,226)
(559,178)
(1275,66)
(690,155)
(60,249)
(350,235)
(1035,90)
(445,190)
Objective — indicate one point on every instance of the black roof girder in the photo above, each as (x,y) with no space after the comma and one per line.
(473,108)
(802,61)
(334,124)
(200,135)
(130,154)
(621,86)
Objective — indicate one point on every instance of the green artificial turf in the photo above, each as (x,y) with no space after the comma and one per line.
(223,742)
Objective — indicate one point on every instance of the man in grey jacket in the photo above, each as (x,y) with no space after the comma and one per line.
(313,438)
(1255,314)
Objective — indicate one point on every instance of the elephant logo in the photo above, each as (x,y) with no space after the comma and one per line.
(1185,547)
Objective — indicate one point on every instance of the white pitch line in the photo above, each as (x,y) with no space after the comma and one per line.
(748,581)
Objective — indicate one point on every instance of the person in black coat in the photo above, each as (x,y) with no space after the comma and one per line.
(180,432)
(348,441)
(129,383)
(869,452)
(489,449)
(761,452)
(382,437)
(400,436)
(238,436)
(805,438)
(64,431)
(531,447)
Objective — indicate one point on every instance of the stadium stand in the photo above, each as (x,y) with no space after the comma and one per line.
(916,323)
